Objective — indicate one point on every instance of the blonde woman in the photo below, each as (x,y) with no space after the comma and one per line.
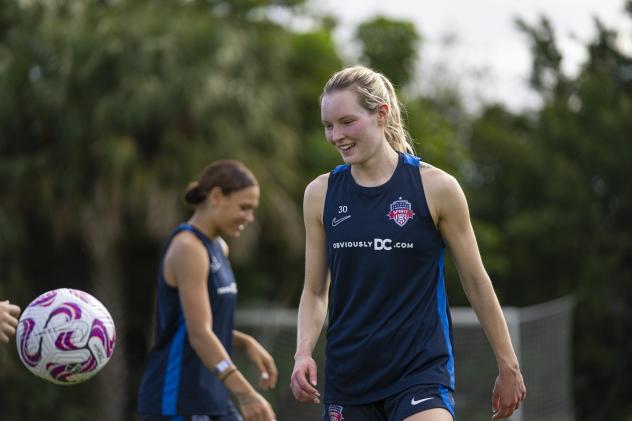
(378,227)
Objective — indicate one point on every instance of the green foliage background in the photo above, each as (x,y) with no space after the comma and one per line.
(109,108)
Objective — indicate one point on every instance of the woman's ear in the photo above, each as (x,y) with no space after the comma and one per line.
(382,114)
(215,196)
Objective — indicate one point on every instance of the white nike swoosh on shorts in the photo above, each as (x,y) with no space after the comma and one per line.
(414,402)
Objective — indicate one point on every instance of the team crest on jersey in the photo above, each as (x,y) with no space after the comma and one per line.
(401,212)
(335,413)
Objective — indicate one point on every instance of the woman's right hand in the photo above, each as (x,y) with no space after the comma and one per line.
(303,380)
(255,408)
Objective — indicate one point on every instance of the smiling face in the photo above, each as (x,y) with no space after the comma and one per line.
(235,210)
(355,132)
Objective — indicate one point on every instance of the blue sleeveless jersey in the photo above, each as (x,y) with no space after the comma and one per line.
(175,381)
(389,327)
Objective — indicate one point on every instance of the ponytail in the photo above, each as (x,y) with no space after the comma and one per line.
(229,175)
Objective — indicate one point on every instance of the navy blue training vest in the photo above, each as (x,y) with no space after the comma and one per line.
(175,381)
(389,327)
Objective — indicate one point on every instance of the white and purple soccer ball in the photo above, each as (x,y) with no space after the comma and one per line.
(65,336)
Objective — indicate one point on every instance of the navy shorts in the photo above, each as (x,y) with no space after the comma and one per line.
(394,408)
(231,415)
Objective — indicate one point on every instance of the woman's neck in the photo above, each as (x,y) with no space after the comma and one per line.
(378,169)
(204,223)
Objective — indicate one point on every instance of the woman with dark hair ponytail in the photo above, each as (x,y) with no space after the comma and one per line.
(190,375)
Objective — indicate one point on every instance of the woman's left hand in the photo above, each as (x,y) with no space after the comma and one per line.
(509,391)
(264,362)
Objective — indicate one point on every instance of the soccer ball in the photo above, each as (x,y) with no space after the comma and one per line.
(65,336)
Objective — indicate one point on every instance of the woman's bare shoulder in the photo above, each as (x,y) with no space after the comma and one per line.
(317,188)
(314,199)
(442,190)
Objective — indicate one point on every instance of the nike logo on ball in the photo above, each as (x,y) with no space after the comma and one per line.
(335,221)
(414,402)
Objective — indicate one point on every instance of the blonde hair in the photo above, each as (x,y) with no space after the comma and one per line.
(374,89)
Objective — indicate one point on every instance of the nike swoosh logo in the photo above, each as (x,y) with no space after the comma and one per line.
(335,221)
(414,402)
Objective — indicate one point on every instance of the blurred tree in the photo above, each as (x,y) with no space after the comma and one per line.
(108,110)
(390,47)
(552,187)
(546,71)
(584,133)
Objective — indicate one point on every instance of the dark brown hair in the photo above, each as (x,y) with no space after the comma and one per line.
(228,174)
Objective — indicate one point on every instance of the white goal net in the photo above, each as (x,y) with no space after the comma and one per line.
(541,335)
